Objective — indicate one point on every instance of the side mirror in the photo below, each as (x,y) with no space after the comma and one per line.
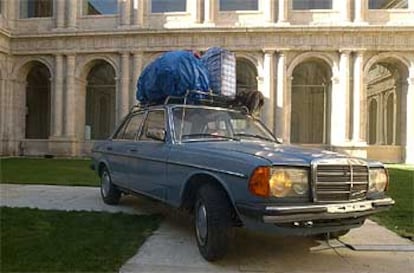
(280,140)
(156,134)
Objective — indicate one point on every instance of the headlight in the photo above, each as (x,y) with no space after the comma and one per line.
(279,182)
(378,180)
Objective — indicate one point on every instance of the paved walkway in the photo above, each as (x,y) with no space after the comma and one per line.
(172,248)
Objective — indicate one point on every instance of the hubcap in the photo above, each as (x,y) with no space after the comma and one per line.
(201,224)
(106,182)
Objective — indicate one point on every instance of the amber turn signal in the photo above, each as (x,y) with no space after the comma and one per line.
(259,182)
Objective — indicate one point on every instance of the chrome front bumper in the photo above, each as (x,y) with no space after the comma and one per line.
(283,214)
(280,214)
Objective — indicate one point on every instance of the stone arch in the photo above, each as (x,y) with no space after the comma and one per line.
(100,99)
(386,80)
(23,66)
(248,57)
(329,59)
(387,75)
(310,88)
(386,57)
(86,65)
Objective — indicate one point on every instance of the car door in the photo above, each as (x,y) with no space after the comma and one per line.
(113,151)
(128,148)
(150,158)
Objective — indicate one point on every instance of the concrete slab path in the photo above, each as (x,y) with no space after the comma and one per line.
(172,248)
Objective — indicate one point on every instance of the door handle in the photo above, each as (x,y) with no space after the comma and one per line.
(109,148)
(133,150)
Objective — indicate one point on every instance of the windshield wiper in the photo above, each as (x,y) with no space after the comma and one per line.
(205,135)
(254,136)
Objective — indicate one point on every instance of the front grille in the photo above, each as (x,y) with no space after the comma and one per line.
(340,180)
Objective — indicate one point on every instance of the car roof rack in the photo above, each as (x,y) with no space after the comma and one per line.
(195,97)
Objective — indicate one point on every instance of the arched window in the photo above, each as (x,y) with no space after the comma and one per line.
(246,75)
(100,7)
(310,108)
(311,4)
(230,5)
(100,100)
(388,4)
(387,78)
(38,102)
(160,6)
(36,8)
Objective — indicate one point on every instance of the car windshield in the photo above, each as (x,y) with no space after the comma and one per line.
(201,124)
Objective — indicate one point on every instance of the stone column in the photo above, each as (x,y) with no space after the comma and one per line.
(70,98)
(57,95)
(344,9)
(123,93)
(210,8)
(269,11)
(138,62)
(340,90)
(268,88)
(72,7)
(411,5)
(283,12)
(380,120)
(60,13)
(358,97)
(281,91)
(17,115)
(125,12)
(196,9)
(11,12)
(360,7)
(409,120)
(3,105)
(138,12)
(363,128)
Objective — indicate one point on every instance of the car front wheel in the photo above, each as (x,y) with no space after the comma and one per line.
(212,222)
(110,194)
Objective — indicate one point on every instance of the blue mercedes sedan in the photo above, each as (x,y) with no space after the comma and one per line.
(228,169)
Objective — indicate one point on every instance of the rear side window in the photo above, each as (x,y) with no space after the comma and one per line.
(133,126)
(130,127)
(155,120)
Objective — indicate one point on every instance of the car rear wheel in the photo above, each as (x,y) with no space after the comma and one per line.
(212,222)
(110,194)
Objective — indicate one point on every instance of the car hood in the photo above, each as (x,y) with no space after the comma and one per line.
(277,154)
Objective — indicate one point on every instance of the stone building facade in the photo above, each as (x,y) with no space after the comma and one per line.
(336,74)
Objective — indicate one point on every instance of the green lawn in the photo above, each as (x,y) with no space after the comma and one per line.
(74,172)
(400,218)
(54,241)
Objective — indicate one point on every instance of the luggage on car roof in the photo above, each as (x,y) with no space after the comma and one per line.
(172,74)
(221,65)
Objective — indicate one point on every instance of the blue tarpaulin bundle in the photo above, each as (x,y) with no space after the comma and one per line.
(172,74)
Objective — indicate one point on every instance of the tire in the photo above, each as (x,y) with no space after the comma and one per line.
(332,235)
(109,192)
(212,222)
